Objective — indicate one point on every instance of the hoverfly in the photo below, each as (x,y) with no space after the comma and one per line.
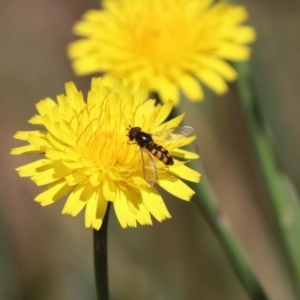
(150,149)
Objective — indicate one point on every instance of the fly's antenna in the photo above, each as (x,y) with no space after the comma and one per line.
(125,122)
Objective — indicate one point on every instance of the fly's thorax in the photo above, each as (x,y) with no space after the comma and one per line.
(143,139)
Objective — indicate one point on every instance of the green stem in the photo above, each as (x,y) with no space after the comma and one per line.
(207,204)
(208,207)
(100,259)
(282,195)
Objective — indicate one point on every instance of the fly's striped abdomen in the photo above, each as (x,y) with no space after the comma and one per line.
(161,153)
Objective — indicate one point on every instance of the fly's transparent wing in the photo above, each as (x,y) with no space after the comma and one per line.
(174,133)
(149,167)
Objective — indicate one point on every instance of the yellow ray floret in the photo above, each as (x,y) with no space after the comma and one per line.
(89,159)
(169,45)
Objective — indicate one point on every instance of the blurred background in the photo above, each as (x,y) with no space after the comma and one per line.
(44,255)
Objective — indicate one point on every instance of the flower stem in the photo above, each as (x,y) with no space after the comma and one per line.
(282,194)
(100,258)
(207,204)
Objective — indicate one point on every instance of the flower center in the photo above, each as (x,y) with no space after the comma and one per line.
(103,147)
(159,40)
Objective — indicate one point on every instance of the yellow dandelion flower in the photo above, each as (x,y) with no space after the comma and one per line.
(92,154)
(169,45)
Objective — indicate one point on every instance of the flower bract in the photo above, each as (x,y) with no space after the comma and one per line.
(87,157)
(169,45)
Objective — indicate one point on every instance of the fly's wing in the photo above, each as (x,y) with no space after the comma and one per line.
(172,134)
(149,167)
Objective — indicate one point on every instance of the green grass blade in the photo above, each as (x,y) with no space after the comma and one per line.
(207,204)
(282,195)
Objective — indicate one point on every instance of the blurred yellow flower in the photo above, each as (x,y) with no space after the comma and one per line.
(90,158)
(169,45)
